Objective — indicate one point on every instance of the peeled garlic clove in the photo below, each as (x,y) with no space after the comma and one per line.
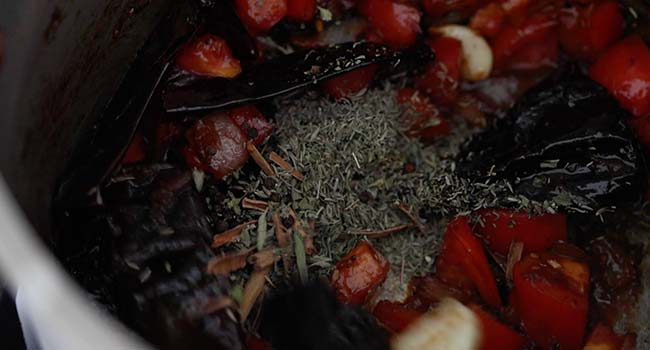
(451,326)
(477,57)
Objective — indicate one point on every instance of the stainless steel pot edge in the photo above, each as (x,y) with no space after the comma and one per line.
(56,305)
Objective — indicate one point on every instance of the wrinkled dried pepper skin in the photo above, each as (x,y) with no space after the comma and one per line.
(565,136)
(154,254)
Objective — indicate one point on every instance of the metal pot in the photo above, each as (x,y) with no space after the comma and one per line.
(60,62)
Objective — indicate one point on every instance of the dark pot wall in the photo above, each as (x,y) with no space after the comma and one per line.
(61,61)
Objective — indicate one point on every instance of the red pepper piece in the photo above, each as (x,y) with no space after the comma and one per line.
(350,83)
(260,15)
(252,122)
(358,273)
(209,55)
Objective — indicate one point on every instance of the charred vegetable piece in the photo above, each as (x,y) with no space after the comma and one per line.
(462,262)
(105,144)
(566,141)
(310,318)
(209,55)
(495,335)
(551,295)
(358,273)
(502,227)
(285,74)
(624,69)
(395,316)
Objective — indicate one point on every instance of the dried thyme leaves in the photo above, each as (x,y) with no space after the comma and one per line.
(346,167)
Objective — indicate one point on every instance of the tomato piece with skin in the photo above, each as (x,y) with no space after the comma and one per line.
(396,22)
(252,122)
(438,8)
(358,273)
(209,55)
(551,295)
(440,79)
(536,28)
(395,316)
(488,20)
(260,15)
(502,227)
(587,30)
(350,82)
(624,69)
(462,253)
(495,335)
(301,10)
(536,55)
(421,117)
(218,144)
(135,152)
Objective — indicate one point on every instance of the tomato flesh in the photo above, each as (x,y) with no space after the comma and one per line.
(586,30)
(395,316)
(462,259)
(209,55)
(421,117)
(252,123)
(217,144)
(489,20)
(260,15)
(358,273)
(537,28)
(350,82)
(301,10)
(502,227)
(440,79)
(495,335)
(624,69)
(551,295)
(396,22)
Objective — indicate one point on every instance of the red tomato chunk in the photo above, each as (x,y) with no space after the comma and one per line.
(502,227)
(624,69)
(495,335)
(252,123)
(209,55)
(551,296)
(396,22)
(350,83)
(301,10)
(260,15)
(395,316)
(440,79)
(358,273)
(217,144)
(462,258)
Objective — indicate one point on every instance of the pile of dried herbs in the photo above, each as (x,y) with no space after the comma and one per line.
(345,171)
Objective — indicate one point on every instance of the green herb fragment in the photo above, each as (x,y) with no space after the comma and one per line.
(261,231)
(301,257)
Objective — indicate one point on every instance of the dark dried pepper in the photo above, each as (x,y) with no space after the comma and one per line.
(284,74)
(145,253)
(567,141)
